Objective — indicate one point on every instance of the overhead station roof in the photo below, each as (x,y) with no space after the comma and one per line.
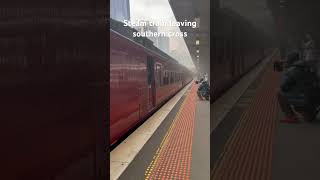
(254,13)
(198,39)
(299,16)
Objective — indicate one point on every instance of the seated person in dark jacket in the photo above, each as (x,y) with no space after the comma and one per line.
(295,87)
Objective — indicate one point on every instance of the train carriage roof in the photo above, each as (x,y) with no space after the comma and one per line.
(126,31)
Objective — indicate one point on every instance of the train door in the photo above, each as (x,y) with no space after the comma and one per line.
(151,82)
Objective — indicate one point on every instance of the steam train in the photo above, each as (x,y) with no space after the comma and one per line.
(142,78)
(236,47)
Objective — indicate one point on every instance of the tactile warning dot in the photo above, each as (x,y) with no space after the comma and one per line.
(172,159)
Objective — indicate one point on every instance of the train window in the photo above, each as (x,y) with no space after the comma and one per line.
(159,76)
(150,69)
(165,78)
(174,77)
(171,78)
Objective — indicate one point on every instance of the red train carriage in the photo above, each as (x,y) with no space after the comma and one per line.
(141,79)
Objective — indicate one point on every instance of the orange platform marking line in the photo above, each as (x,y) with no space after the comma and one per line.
(248,153)
(172,159)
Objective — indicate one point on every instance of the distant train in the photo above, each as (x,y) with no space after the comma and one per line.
(236,47)
(142,78)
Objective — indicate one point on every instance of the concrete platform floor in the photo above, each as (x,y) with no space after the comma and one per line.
(200,164)
(296,151)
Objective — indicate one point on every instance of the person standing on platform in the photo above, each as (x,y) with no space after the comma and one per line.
(296,88)
(289,88)
(309,48)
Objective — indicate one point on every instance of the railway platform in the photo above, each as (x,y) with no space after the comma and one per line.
(172,144)
(248,142)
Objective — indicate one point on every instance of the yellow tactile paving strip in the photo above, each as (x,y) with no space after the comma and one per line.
(172,159)
(248,153)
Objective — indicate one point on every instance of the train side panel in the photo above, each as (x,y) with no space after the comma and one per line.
(127,77)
